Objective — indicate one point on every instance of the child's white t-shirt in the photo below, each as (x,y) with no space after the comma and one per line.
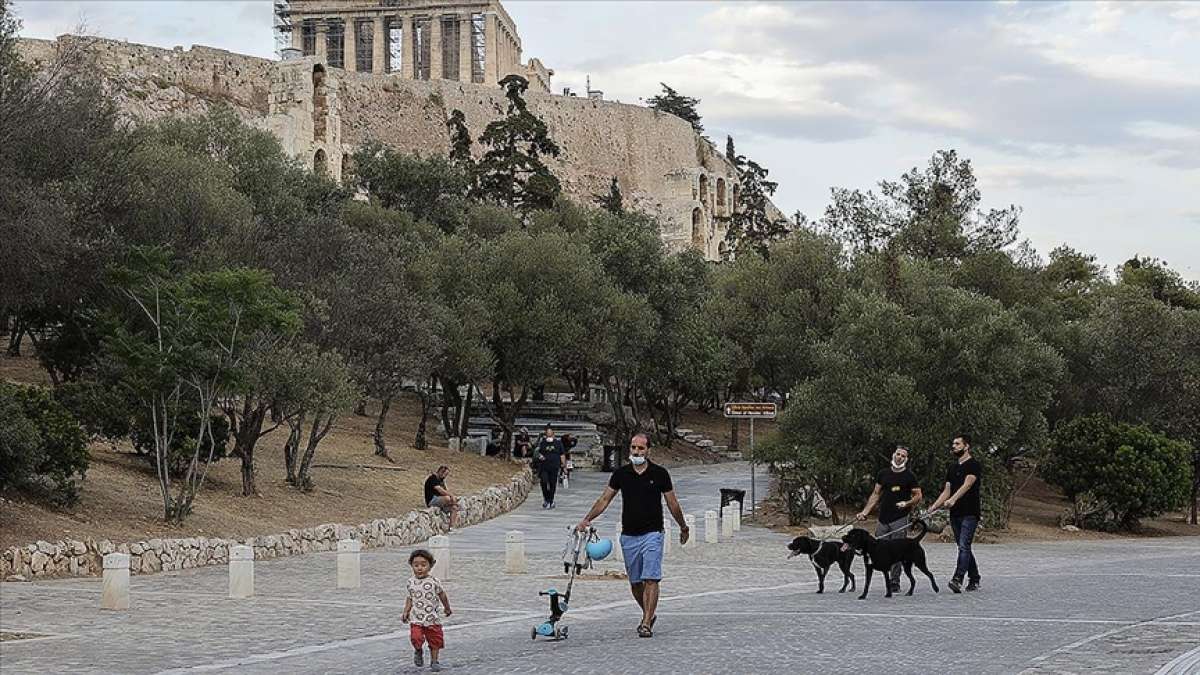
(425,600)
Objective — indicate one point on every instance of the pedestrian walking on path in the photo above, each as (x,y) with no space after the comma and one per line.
(961,494)
(425,593)
(549,459)
(896,492)
(644,486)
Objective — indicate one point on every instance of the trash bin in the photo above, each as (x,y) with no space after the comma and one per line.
(612,458)
(731,495)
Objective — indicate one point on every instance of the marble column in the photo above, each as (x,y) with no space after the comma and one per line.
(322,40)
(380,45)
(350,44)
(408,47)
(435,47)
(464,48)
(491,64)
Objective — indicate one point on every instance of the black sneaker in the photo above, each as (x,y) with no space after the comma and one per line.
(973,586)
(418,658)
(955,585)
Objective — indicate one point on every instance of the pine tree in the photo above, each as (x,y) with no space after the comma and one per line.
(511,172)
(612,202)
(683,107)
(753,228)
(730,153)
(460,140)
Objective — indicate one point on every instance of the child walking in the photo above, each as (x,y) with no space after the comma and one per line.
(421,606)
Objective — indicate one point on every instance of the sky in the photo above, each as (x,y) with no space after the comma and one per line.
(1085,114)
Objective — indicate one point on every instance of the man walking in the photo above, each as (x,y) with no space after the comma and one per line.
(548,457)
(643,486)
(897,492)
(961,494)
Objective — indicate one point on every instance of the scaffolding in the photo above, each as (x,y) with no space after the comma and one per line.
(450,50)
(421,48)
(364,45)
(394,28)
(478,47)
(335,43)
(282,26)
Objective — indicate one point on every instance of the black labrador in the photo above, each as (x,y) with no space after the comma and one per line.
(880,554)
(822,555)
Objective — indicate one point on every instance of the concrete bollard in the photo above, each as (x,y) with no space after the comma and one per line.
(514,552)
(690,521)
(439,546)
(710,527)
(736,509)
(618,554)
(241,572)
(667,536)
(727,522)
(349,569)
(114,593)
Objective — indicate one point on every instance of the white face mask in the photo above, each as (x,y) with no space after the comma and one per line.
(637,460)
(901,465)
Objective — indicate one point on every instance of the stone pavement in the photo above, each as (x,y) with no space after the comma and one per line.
(1129,606)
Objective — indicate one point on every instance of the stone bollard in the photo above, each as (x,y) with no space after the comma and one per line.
(514,552)
(690,521)
(710,527)
(726,523)
(115,591)
(439,546)
(618,554)
(349,570)
(667,535)
(736,509)
(241,572)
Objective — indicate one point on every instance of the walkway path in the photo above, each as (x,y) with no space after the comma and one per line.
(1118,606)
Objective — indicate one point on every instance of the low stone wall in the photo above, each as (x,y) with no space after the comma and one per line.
(84,558)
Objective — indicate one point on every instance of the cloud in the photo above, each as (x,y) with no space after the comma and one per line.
(1040,178)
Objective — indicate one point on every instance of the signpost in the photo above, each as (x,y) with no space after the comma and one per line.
(751,411)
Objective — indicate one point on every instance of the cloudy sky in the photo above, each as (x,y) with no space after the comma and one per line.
(1085,114)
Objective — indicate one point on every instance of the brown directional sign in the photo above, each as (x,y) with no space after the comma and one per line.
(751,410)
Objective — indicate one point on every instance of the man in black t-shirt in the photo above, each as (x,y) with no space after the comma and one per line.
(961,494)
(896,491)
(643,486)
(436,494)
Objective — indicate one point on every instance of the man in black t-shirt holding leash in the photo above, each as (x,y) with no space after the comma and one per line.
(961,494)
(643,486)
(897,492)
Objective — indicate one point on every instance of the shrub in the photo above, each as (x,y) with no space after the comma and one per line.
(1116,473)
(42,447)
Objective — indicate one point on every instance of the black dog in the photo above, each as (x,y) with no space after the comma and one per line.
(880,554)
(822,555)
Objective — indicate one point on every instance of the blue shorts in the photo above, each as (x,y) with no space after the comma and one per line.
(643,556)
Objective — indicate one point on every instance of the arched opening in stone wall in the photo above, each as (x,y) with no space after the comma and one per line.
(698,228)
(720,192)
(320,163)
(703,189)
(320,103)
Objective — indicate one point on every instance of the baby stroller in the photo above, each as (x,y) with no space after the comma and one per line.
(581,550)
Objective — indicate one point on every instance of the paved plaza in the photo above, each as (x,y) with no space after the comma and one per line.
(1111,606)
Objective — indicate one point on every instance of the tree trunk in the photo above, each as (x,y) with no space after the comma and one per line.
(463,421)
(15,336)
(291,449)
(381,450)
(315,435)
(507,414)
(246,433)
(451,401)
(426,395)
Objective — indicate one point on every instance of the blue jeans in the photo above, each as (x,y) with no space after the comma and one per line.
(964,533)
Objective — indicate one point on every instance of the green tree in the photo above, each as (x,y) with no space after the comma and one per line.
(512,172)
(1116,473)
(432,189)
(674,103)
(314,388)
(460,141)
(176,345)
(43,449)
(755,224)
(613,201)
(731,152)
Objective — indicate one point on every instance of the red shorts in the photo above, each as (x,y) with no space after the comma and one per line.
(419,634)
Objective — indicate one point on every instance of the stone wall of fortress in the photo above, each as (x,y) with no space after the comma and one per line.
(663,166)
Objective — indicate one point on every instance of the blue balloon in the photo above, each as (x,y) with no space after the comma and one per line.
(599,550)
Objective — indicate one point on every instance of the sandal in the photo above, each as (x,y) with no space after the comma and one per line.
(644,631)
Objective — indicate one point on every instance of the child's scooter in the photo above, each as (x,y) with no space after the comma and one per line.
(582,549)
